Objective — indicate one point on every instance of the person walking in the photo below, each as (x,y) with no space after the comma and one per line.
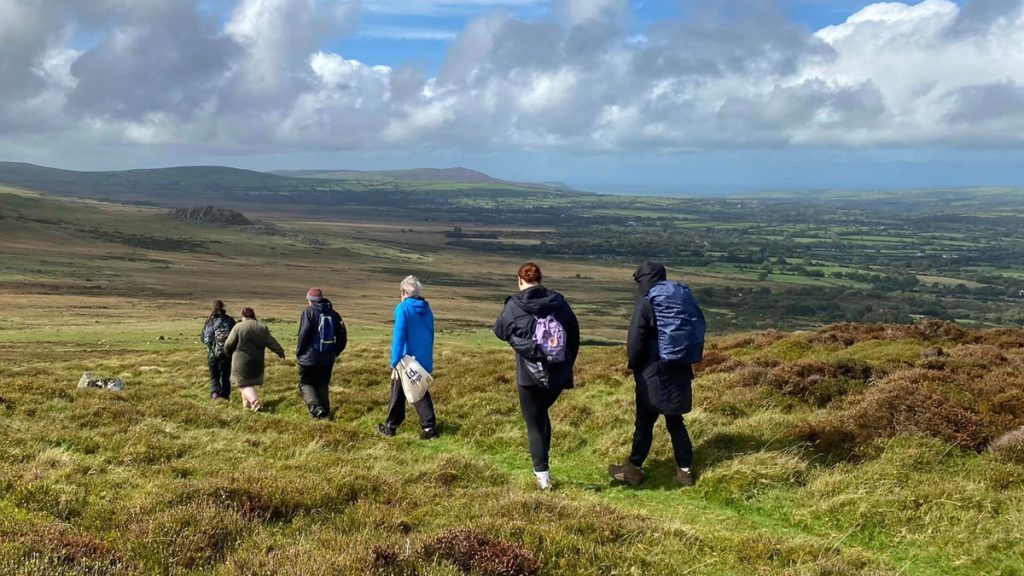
(215,334)
(543,330)
(666,336)
(322,338)
(246,344)
(413,336)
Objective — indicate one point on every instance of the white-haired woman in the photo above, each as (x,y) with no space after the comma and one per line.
(413,336)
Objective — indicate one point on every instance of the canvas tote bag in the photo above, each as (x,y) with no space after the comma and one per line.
(416,381)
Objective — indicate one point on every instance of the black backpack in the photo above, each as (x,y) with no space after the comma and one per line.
(220,329)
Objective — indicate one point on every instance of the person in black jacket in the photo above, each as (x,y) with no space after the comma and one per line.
(516,325)
(661,388)
(215,333)
(317,350)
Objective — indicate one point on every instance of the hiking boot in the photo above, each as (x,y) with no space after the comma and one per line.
(627,473)
(385,430)
(429,434)
(684,478)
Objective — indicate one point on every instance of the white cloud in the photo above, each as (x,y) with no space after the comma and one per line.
(584,11)
(162,73)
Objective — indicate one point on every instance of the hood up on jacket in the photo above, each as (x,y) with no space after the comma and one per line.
(648,274)
(321,306)
(539,301)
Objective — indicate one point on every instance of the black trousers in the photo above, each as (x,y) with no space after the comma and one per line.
(643,434)
(220,376)
(396,408)
(535,403)
(313,385)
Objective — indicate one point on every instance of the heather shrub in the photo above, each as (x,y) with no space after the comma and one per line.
(816,382)
(476,553)
(714,361)
(388,561)
(1002,338)
(980,354)
(966,412)
(848,334)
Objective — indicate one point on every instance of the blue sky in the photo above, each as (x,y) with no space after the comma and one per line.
(648,96)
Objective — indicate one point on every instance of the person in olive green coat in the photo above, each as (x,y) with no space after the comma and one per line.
(246,343)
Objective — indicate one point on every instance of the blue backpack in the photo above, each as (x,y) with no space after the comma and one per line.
(681,325)
(325,331)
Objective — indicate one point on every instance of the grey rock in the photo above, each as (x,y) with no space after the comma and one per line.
(89,381)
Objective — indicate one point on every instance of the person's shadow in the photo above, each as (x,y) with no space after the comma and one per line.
(271,406)
(716,449)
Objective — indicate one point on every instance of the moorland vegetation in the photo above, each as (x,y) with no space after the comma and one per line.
(855,448)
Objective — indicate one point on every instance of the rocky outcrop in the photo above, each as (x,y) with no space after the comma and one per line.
(211,216)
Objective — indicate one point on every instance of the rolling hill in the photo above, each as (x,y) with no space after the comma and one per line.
(463,175)
(185,185)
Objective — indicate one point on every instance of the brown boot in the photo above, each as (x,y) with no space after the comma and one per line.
(627,473)
(684,478)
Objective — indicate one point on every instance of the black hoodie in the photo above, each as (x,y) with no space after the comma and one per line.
(309,327)
(668,385)
(516,326)
(648,274)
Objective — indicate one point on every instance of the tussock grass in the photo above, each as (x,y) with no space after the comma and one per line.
(815,455)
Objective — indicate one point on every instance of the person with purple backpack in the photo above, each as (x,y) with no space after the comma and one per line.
(545,334)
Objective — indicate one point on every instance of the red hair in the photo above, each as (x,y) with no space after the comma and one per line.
(248,313)
(530,273)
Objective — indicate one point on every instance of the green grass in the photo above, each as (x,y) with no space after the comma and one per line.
(162,480)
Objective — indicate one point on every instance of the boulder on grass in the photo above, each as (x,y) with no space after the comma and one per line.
(89,381)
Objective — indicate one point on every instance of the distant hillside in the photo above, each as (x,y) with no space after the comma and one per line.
(159,185)
(191,185)
(463,175)
(418,175)
(17,173)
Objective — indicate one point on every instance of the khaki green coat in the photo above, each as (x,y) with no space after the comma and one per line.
(246,344)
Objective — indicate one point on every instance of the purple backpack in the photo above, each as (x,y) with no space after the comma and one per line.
(549,335)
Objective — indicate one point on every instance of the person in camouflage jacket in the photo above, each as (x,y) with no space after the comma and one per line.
(215,334)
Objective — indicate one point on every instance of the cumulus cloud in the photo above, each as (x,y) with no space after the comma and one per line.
(731,74)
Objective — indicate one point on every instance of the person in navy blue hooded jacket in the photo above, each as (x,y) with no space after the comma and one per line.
(413,336)
(662,389)
(322,338)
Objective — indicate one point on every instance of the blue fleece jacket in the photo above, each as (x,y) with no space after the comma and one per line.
(414,333)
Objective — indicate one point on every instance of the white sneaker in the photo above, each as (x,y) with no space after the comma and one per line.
(543,480)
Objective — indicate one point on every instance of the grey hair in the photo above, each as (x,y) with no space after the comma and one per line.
(412,286)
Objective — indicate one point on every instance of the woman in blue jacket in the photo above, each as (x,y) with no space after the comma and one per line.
(413,336)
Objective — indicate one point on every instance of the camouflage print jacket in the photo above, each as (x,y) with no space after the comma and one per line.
(215,334)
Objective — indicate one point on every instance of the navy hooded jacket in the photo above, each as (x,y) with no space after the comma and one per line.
(309,334)
(669,386)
